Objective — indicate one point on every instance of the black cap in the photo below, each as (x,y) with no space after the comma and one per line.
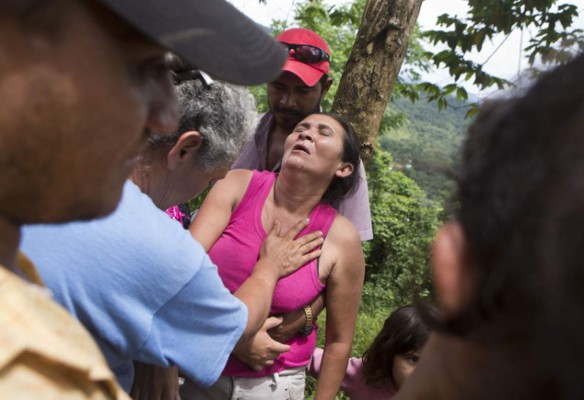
(211,34)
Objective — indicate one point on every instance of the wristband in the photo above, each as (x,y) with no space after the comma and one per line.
(308,327)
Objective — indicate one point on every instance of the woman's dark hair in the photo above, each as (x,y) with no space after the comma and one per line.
(403,332)
(340,188)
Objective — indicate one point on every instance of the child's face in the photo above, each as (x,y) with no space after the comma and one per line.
(403,366)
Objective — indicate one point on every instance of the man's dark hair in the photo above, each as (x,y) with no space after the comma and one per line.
(521,193)
(341,188)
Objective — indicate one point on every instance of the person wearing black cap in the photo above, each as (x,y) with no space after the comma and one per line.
(84,85)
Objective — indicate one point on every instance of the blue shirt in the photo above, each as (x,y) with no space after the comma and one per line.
(143,287)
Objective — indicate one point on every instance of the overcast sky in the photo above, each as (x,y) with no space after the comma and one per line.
(504,61)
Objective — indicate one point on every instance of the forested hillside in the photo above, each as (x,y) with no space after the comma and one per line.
(409,191)
(424,142)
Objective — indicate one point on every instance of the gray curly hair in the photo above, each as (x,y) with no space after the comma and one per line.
(223,113)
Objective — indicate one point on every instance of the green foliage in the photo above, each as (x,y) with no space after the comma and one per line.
(556,40)
(417,60)
(338,26)
(260,94)
(404,223)
(195,203)
(426,143)
(397,264)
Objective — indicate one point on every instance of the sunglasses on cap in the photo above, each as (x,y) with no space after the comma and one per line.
(307,54)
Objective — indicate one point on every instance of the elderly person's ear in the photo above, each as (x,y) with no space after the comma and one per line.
(185,149)
(454,279)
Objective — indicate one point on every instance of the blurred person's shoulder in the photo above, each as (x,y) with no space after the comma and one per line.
(45,352)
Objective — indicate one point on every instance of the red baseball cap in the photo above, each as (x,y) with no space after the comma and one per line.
(309,73)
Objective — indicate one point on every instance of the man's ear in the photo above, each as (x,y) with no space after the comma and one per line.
(327,86)
(344,170)
(185,148)
(454,280)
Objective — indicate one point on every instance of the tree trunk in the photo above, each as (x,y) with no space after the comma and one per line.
(373,66)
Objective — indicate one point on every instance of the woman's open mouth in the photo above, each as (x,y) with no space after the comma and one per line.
(300,147)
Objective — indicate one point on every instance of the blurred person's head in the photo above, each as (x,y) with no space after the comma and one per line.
(508,272)
(86,85)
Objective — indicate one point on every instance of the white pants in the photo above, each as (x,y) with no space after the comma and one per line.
(286,385)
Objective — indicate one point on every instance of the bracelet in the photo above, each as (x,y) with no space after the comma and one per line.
(307,328)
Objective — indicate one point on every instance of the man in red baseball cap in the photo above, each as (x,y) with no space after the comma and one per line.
(309,56)
(297,92)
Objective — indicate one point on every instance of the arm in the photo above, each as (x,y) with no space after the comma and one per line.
(280,255)
(154,383)
(267,344)
(315,361)
(344,286)
(215,212)
(262,350)
(294,321)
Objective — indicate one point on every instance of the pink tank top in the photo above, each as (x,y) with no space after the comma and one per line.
(236,252)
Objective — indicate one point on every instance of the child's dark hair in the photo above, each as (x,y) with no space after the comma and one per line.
(403,332)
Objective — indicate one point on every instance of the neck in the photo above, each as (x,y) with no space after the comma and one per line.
(276,139)
(278,130)
(9,240)
(147,177)
(455,369)
(296,194)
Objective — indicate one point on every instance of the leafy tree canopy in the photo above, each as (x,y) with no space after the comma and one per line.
(404,224)
(338,26)
(556,39)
